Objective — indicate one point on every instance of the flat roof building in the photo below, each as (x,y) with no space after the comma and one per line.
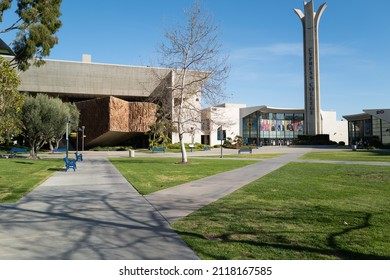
(115,100)
(264,125)
(371,128)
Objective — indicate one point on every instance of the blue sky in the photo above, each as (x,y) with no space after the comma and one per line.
(263,39)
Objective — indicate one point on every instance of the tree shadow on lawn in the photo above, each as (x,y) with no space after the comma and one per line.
(23,162)
(334,251)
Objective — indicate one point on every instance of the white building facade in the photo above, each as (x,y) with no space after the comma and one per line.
(262,125)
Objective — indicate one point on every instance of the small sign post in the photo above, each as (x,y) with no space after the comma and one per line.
(221,135)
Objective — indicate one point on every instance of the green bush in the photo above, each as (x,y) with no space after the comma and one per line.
(174,146)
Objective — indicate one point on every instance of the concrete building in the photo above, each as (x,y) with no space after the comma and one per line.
(263,125)
(310,22)
(114,120)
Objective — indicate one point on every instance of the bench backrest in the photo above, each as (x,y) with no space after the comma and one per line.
(18,150)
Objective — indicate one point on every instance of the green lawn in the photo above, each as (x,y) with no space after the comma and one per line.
(300,211)
(376,155)
(148,175)
(19,176)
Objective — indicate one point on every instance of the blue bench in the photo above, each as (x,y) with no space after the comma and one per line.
(18,150)
(12,153)
(245,150)
(158,149)
(70,163)
(79,157)
(59,150)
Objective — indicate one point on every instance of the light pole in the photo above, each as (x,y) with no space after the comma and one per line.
(82,140)
(192,138)
(77,140)
(67,137)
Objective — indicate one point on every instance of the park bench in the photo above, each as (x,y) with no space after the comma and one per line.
(70,163)
(245,150)
(59,150)
(206,148)
(158,149)
(79,157)
(18,150)
(12,153)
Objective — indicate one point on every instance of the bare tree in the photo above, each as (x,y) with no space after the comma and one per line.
(198,72)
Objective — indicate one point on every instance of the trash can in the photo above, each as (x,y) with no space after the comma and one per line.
(354,147)
(131,153)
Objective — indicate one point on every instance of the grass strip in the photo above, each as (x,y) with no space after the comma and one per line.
(375,155)
(149,175)
(19,176)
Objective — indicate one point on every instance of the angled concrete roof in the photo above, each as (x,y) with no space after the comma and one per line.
(88,80)
(383,114)
(247,111)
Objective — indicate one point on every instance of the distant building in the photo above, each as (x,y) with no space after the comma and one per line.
(116,108)
(223,115)
(371,128)
(262,125)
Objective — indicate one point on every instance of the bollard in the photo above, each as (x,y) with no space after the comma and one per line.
(131,153)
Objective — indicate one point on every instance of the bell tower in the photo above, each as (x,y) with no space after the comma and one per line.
(310,21)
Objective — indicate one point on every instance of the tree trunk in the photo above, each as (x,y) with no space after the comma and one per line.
(58,143)
(183,149)
(32,152)
(51,146)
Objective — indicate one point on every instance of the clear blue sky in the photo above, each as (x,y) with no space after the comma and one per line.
(263,39)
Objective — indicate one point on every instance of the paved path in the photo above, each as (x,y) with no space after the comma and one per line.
(92,213)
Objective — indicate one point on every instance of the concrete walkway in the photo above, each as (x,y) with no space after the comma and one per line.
(94,213)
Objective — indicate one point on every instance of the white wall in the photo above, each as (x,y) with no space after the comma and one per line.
(337,130)
(225,115)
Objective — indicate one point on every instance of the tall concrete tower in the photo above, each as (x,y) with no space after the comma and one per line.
(310,21)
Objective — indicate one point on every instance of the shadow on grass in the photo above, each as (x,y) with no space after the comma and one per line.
(24,162)
(57,169)
(333,250)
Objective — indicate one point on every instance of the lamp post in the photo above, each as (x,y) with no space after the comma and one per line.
(82,140)
(192,138)
(67,137)
(77,140)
